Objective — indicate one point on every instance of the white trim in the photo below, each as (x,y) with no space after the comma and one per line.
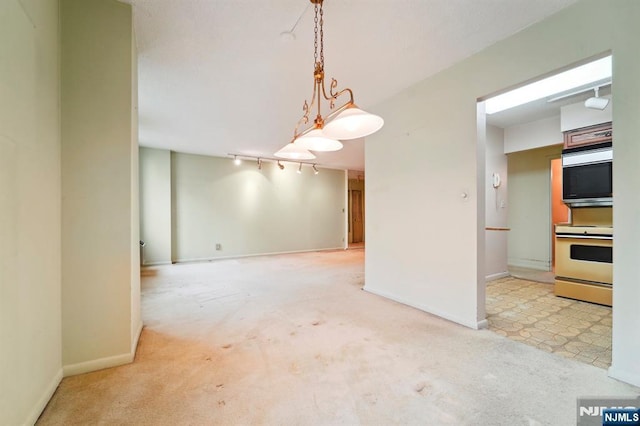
(136,339)
(240,256)
(107,362)
(497,276)
(162,262)
(39,407)
(97,364)
(476,325)
(624,376)
(540,265)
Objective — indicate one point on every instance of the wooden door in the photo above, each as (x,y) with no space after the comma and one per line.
(357,228)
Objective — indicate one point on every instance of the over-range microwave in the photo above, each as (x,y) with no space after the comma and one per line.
(587,175)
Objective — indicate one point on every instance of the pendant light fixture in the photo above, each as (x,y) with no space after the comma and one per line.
(344,122)
(293,151)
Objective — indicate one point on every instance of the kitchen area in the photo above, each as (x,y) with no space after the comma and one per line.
(549,277)
(584,246)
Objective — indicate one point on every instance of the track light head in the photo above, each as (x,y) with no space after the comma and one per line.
(300,169)
(280,165)
(596,102)
(236,160)
(315,170)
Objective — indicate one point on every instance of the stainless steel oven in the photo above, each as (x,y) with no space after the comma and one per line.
(584,263)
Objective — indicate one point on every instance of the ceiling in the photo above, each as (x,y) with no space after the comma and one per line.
(216,77)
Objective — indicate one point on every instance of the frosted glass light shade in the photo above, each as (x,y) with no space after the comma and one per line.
(316,140)
(293,151)
(353,123)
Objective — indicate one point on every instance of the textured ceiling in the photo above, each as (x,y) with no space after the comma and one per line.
(216,77)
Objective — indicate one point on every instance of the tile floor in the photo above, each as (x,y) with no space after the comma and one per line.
(528,311)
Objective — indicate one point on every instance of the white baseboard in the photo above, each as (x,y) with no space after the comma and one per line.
(107,362)
(97,364)
(163,262)
(497,276)
(135,340)
(44,399)
(624,376)
(476,325)
(541,265)
(241,256)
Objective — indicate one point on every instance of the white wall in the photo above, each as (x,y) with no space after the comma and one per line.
(155,205)
(249,211)
(30,307)
(422,235)
(530,207)
(136,313)
(534,134)
(99,181)
(496,205)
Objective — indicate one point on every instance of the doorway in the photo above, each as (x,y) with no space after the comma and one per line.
(356,207)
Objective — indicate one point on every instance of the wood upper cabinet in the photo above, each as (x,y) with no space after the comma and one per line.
(599,133)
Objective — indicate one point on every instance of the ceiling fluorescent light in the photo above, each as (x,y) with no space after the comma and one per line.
(345,122)
(567,80)
(578,92)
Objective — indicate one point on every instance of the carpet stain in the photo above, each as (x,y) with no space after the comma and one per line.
(420,387)
(227,346)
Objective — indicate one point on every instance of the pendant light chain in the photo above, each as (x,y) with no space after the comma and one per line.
(321,37)
(315,35)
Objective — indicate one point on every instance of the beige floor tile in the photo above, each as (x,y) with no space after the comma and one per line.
(529,312)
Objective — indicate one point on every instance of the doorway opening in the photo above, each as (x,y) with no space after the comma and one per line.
(356,210)
(523,144)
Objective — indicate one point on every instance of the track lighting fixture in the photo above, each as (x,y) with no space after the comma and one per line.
(596,102)
(315,170)
(237,159)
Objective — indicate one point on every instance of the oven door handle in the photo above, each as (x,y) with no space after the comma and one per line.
(585,237)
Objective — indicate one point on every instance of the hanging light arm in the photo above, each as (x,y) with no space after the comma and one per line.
(318,83)
(341,123)
(319,87)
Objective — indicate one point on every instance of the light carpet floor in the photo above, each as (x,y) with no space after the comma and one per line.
(293,340)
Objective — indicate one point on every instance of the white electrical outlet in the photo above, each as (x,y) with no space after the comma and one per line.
(218,246)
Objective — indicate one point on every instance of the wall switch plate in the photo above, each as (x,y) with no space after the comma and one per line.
(218,246)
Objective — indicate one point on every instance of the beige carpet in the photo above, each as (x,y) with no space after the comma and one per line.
(293,340)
